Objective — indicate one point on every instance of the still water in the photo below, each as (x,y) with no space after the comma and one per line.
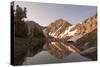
(48,55)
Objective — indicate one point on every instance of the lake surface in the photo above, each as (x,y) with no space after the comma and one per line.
(44,57)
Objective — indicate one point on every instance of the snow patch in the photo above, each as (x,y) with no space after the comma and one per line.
(68,31)
(72,33)
(53,34)
(53,42)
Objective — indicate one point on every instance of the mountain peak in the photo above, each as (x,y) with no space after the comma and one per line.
(62,21)
(62,29)
(57,27)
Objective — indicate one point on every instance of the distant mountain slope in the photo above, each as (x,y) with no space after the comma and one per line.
(87,25)
(63,29)
(31,25)
(88,45)
(88,40)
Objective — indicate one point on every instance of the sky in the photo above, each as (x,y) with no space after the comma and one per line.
(46,13)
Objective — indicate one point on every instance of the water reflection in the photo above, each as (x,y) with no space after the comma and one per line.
(55,52)
(60,49)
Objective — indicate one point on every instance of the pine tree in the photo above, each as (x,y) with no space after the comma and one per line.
(21,28)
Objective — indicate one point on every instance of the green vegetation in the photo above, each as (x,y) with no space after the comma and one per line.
(37,33)
(21,29)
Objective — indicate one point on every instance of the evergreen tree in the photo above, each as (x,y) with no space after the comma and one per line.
(20,13)
(21,28)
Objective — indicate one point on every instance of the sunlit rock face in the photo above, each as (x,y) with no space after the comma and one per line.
(87,25)
(63,29)
(57,27)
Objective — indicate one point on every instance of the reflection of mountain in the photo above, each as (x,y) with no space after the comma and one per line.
(61,49)
(44,58)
